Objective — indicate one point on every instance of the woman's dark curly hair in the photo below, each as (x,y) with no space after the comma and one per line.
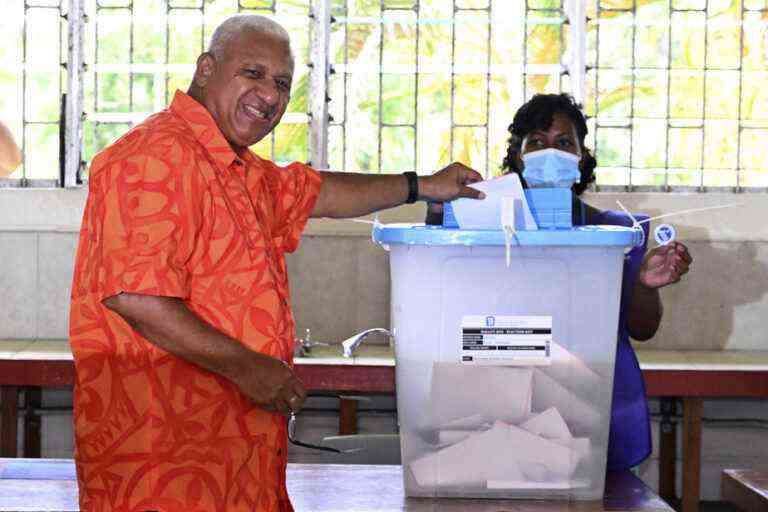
(538,114)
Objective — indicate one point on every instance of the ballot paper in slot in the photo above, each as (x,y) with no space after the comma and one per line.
(466,397)
(487,214)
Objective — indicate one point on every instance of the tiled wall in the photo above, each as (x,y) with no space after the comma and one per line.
(35,285)
(340,286)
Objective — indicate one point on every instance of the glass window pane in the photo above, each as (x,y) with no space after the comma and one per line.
(469,147)
(397,149)
(398,99)
(42,162)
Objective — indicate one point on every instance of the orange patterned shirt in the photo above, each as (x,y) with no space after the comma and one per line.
(173,211)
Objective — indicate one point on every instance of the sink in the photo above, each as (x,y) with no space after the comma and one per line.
(335,352)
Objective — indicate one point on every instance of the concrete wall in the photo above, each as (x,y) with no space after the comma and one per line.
(340,285)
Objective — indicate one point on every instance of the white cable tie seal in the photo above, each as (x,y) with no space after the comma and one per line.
(692,210)
(638,225)
(635,225)
(508,224)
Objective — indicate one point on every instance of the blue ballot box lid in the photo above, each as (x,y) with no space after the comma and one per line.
(420,234)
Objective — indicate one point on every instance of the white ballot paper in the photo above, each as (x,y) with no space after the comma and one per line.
(448,437)
(504,454)
(549,424)
(478,394)
(486,214)
(471,462)
(567,367)
(547,392)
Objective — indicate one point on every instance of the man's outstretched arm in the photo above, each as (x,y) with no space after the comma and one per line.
(344,195)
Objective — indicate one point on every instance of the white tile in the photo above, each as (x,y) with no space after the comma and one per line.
(18,285)
(323,295)
(57,259)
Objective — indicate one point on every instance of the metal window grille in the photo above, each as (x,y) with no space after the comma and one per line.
(672,87)
(141,51)
(675,91)
(416,85)
(32,81)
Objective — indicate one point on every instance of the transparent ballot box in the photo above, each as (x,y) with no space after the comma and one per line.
(505,354)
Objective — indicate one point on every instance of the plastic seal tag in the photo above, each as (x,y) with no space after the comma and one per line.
(664,234)
(508,224)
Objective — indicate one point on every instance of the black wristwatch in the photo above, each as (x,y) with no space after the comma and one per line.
(413,186)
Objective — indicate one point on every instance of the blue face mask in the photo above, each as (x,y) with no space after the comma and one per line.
(551,168)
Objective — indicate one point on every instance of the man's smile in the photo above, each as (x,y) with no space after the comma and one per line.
(257,113)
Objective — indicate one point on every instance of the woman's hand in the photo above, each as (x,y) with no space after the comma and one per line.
(664,265)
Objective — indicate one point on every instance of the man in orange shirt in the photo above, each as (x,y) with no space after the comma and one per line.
(180,321)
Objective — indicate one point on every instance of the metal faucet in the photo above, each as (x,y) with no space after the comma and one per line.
(302,347)
(350,344)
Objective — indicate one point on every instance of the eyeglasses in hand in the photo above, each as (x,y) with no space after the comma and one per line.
(293,440)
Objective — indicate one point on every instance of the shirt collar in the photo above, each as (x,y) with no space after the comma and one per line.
(205,129)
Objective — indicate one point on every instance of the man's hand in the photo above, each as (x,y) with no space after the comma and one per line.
(664,265)
(450,183)
(271,384)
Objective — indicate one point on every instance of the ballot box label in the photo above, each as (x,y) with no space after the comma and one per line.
(506,340)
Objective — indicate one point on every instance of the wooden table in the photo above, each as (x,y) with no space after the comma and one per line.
(49,485)
(692,376)
(673,376)
(745,488)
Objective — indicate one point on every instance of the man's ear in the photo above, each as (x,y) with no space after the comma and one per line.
(206,67)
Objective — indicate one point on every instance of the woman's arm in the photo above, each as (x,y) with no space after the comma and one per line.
(662,266)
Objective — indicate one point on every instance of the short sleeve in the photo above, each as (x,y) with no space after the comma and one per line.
(142,220)
(297,193)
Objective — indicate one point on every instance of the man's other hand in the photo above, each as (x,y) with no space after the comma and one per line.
(271,384)
(450,183)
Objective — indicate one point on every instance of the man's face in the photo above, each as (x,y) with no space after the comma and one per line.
(247,90)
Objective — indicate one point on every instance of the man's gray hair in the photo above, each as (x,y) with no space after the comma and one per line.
(235,25)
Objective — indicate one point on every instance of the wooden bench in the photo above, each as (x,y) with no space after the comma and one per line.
(49,485)
(673,376)
(746,489)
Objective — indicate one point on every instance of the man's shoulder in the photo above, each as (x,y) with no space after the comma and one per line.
(162,136)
